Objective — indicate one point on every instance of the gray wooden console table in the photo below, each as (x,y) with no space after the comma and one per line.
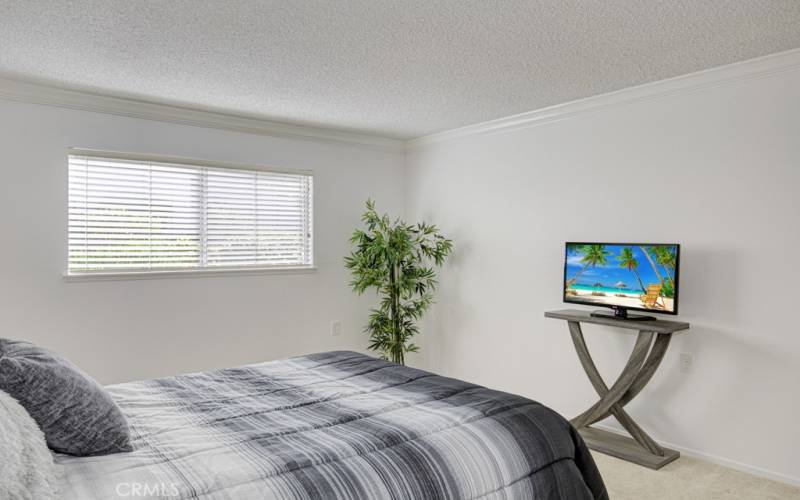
(642,364)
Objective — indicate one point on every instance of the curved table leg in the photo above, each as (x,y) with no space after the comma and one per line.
(648,370)
(635,375)
(623,383)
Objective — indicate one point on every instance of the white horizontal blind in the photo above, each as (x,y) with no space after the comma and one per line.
(255,218)
(131,215)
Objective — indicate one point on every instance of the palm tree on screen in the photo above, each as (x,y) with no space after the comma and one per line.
(646,251)
(592,255)
(629,262)
(666,257)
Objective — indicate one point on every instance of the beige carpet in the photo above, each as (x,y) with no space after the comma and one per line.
(687,478)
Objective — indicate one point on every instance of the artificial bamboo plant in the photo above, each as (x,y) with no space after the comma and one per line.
(397,259)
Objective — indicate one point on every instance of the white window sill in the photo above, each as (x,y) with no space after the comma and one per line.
(187,273)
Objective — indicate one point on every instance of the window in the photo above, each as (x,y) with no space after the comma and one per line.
(136,215)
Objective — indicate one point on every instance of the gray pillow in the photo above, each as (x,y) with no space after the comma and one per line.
(76,414)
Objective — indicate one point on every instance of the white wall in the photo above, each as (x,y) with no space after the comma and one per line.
(717,170)
(125,330)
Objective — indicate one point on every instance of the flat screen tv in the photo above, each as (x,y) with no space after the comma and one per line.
(623,277)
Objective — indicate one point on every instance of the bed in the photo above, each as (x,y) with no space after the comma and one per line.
(333,425)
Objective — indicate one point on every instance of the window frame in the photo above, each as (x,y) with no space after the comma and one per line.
(113,275)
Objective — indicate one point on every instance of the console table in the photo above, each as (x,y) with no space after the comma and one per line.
(644,360)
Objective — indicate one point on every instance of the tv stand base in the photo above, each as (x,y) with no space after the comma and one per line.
(625,448)
(622,314)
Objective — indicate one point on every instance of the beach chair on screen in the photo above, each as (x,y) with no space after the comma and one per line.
(650,299)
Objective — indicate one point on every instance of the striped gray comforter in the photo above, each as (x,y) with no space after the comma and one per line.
(334,425)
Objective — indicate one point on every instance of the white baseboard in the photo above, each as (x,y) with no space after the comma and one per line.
(714,459)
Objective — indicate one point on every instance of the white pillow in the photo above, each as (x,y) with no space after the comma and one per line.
(27,471)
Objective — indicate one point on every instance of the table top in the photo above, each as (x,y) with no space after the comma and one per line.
(658,326)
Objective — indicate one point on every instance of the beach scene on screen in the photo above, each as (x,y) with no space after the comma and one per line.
(634,276)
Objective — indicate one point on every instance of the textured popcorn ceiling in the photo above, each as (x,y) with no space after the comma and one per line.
(397,68)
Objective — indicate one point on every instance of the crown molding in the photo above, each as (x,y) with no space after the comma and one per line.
(743,71)
(38,93)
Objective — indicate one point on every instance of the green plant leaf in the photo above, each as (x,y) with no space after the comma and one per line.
(396,260)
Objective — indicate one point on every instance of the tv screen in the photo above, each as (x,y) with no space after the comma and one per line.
(634,276)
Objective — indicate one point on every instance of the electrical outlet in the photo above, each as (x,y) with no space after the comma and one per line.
(687,360)
(336,328)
